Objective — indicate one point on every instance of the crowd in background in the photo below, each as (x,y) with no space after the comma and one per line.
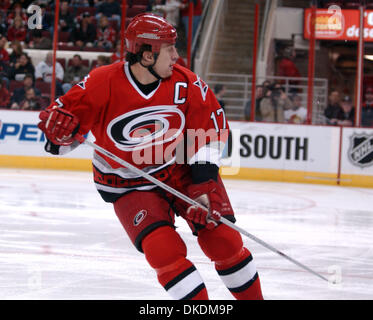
(18,76)
(93,25)
(84,25)
(87,24)
(273,104)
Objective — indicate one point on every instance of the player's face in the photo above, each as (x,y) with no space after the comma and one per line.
(167,58)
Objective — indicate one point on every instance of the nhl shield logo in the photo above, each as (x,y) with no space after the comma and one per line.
(360,151)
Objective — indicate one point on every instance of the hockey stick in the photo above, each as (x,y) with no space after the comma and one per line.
(195,203)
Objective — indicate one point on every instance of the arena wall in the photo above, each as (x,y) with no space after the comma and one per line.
(275,152)
(40,55)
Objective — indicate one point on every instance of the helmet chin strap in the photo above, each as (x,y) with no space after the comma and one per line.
(151,69)
(154,73)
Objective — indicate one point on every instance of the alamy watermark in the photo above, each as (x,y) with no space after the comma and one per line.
(335,278)
(35,20)
(196,145)
(34,279)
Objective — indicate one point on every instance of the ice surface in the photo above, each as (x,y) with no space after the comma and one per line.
(59,240)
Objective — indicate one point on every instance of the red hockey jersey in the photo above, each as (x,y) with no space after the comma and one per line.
(178,122)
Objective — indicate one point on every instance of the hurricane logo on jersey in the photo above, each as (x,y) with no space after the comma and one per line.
(139,217)
(145,127)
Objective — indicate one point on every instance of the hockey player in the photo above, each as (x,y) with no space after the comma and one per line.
(140,110)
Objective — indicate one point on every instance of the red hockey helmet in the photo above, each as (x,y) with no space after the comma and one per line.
(148,28)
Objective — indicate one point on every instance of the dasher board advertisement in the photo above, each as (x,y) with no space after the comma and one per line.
(262,151)
(285,147)
(338,24)
(22,145)
(20,135)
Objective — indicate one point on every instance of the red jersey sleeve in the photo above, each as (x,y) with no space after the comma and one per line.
(206,124)
(87,99)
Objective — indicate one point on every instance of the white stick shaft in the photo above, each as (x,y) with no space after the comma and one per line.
(195,203)
(269,247)
(145,175)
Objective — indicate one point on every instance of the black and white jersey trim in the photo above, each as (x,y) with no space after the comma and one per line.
(118,174)
(134,85)
(125,173)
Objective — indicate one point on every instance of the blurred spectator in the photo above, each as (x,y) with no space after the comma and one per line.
(367,110)
(110,9)
(219,91)
(298,113)
(66,22)
(44,71)
(4,56)
(84,32)
(97,3)
(17,31)
(278,86)
(5,4)
(333,107)
(4,96)
(25,3)
(39,41)
(47,19)
(154,7)
(17,50)
(4,61)
(3,25)
(170,11)
(106,35)
(39,2)
(266,84)
(102,61)
(22,67)
(75,73)
(259,90)
(17,11)
(31,101)
(273,104)
(19,93)
(286,67)
(80,3)
(197,13)
(346,115)
(115,57)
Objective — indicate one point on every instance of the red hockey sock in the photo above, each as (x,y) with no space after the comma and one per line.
(240,276)
(182,281)
(166,253)
(233,262)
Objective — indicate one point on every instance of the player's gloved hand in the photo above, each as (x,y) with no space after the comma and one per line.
(59,125)
(209,194)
